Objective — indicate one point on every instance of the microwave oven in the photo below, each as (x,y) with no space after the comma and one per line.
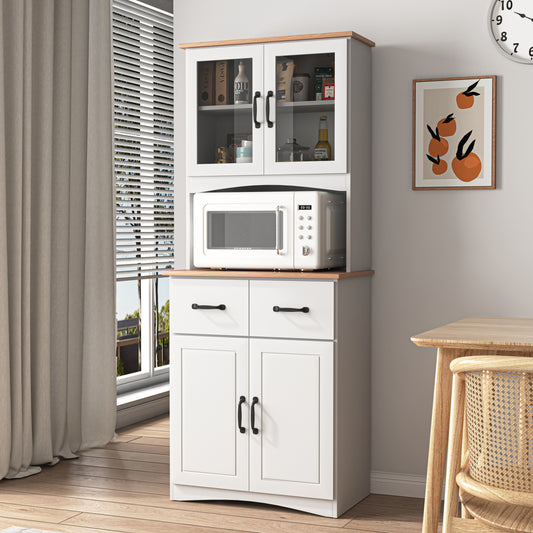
(280,230)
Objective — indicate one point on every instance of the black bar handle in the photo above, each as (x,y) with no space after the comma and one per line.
(242,399)
(270,94)
(255,400)
(278,309)
(256,96)
(196,306)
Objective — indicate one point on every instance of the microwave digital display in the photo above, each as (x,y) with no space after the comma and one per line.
(304,207)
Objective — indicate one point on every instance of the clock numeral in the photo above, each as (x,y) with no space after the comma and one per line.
(499,20)
(515,46)
(531,52)
(503,36)
(506,4)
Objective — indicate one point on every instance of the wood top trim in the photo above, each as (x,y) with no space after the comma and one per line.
(477,333)
(278,39)
(202,273)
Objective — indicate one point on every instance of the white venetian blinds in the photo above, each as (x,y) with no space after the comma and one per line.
(144,136)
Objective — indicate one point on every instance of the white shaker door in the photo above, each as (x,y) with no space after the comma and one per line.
(292,404)
(209,379)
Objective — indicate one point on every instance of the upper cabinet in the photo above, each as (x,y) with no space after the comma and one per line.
(269,108)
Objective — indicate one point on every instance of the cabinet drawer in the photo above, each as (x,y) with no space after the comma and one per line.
(271,303)
(209,307)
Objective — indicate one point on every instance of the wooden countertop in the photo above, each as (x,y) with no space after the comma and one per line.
(207,273)
(480,333)
(278,39)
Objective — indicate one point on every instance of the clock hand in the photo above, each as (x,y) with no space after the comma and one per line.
(524,16)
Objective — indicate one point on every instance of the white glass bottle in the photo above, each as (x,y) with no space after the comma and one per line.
(241,84)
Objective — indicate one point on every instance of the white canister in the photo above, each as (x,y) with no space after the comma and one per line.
(300,87)
(244,152)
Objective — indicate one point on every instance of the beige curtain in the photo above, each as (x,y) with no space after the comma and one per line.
(57,295)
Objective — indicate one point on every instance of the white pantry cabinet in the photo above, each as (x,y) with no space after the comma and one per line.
(277,411)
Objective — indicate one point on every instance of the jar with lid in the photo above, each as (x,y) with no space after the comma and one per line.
(292,151)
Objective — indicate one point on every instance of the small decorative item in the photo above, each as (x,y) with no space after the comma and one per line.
(222,155)
(454,133)
(510,28)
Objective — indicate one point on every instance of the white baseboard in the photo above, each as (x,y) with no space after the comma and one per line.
(397,484)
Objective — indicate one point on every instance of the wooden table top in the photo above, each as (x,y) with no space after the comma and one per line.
(480,333)
(324,274)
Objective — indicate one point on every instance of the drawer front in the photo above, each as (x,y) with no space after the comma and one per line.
(317,297)
(209,307)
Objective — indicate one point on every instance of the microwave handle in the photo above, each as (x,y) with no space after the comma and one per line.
(278,214)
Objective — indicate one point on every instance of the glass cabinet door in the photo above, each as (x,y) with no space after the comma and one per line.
(306,106)
(225,103)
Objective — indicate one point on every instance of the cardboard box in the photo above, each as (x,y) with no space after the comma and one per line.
(222,85)
(284,72)
(206,71)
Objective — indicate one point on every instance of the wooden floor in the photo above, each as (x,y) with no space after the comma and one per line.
(124,487)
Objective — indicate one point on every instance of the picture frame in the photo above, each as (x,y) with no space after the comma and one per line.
(454,125)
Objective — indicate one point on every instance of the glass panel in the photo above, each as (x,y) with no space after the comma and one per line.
(249,230)
(225,111)
(161,304)
(128,327)
(305,107)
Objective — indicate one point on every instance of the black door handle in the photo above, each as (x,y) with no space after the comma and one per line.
(270,94)
(242,399)
(255,400)
(256,96)
(196,306)
(278,309)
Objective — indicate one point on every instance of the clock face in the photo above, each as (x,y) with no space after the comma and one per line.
(511,24)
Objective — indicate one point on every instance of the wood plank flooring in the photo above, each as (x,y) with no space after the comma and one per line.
(124,487)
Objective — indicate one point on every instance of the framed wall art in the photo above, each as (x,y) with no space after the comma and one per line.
(454,133)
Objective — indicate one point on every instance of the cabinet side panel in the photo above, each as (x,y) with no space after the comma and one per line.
(359,200)
(353,392)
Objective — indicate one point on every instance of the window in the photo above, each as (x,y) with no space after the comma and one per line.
(144,170)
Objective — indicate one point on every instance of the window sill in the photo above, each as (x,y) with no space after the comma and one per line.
(141,404)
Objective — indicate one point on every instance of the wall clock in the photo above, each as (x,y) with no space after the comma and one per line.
(511,27)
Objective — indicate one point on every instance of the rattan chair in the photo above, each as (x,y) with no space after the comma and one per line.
(490,452)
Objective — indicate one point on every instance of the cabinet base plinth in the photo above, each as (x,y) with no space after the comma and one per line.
(326,508)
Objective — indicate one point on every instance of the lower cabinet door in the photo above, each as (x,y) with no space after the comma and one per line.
(292,395)
(209,384)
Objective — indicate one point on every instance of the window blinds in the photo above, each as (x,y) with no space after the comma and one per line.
(144,137)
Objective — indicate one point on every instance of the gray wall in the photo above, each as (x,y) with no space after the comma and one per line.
(438,255)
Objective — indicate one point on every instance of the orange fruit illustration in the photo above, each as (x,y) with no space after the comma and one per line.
(439,165)
(437,145)
(447,126)
(466,164)
(465,99)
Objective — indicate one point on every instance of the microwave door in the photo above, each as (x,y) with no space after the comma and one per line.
(246,236)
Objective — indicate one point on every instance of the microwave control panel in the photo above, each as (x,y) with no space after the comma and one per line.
(304,227)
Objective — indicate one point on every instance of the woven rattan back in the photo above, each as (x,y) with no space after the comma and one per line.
(499,410)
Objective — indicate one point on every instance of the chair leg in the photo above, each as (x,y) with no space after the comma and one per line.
(451,498)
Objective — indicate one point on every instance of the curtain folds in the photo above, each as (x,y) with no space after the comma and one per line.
(57,290)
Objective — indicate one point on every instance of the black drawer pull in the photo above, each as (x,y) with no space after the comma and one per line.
(278,309)
(242,399)
(221,306)
(255,400)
